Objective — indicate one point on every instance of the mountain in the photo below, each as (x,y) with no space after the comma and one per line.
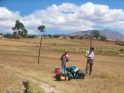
(112,34)
(81,32)
(108,33)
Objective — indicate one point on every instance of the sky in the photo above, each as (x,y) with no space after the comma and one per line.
(62,16)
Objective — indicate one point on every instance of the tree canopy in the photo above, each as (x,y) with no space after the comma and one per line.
(41,28)
(103,38)
(19,28)
(95,33)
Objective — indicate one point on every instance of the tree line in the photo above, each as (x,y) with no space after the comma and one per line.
(19,31)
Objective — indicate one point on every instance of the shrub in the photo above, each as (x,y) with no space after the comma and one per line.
(72,37)
(50,36)
(24,35)
(56,36)
(11,36)
(31,36)
(103,38)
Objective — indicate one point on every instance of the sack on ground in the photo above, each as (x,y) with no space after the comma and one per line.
(69,74)
(71,69)
(79,75)
(62,77)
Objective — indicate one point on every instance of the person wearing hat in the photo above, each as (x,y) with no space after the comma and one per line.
(64,60)
(90,58)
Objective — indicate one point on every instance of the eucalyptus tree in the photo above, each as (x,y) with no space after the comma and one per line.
(103,38)
(15,32)
(42,29)
(95,33)
(19,28)
(24,31)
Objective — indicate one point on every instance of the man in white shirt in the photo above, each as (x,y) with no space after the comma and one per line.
(90,58)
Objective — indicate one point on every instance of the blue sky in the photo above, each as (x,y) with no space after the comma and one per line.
(62,16)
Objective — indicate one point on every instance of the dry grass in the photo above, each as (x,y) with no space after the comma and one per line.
(8,80)
(108,71)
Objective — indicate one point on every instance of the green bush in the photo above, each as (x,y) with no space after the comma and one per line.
(31,36)
(34,88)
(11,36)
(56,36)
(103,38)
(72,37)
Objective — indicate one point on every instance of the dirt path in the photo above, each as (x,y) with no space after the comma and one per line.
(46,87)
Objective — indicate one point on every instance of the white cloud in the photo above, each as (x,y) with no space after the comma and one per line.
(7,19)
(67,17)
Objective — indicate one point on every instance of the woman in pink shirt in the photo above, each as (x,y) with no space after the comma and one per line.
(64,62)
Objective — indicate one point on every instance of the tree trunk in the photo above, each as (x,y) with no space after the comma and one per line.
(39,50)
(90,41)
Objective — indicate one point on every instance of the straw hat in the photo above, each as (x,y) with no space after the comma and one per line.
(66,51)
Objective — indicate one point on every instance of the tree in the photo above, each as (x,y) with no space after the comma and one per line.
(19,28)
(13,28)
(103,38)
(41,28)
(50,36)
(25,31)
(95,33)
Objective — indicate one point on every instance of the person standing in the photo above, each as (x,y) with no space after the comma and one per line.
(90,59)
(64,60)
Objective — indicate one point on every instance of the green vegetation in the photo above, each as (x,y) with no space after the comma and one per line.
(103,38)
(10,36)
(56,36)
(96,34)
(19,32)
(34,87)
(19,28)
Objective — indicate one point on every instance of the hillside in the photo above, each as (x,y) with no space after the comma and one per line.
(112,34)
(108,33)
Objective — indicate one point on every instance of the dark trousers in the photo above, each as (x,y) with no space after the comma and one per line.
(89,65)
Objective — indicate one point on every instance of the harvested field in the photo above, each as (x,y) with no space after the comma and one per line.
(20,57)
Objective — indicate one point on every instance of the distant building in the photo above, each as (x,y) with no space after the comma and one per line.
(85,37)
(111,40)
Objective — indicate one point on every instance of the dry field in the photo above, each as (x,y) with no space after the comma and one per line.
(18,61)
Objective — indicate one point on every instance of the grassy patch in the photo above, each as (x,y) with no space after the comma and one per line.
(34,87)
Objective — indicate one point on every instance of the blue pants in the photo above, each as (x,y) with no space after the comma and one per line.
(63,67)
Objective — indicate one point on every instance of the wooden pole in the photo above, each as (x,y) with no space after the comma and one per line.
(90,41)
(40,48)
